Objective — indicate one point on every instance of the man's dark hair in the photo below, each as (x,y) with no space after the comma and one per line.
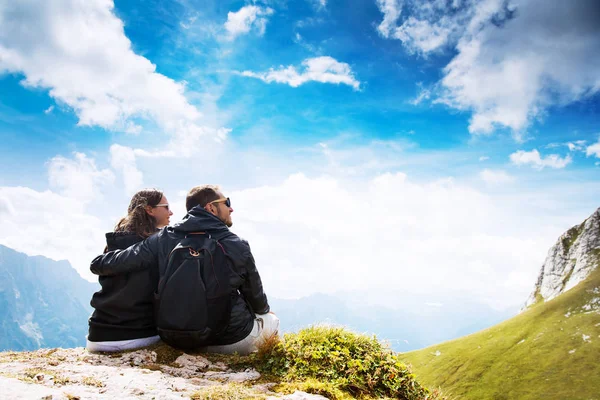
(201,195)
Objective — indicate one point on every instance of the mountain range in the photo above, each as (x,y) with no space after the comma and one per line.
(45,303)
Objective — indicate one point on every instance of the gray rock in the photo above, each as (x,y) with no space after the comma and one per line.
(569,261)
(298,395)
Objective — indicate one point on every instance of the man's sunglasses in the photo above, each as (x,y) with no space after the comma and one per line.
(163,205)
(226,200)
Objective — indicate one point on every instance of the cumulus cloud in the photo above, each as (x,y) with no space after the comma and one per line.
(318,69)
(514,59)
(391,10)
(438,237)
(538,162)
(52,225)
(423,32)
(79,52)
(78,178)
(248,18)
(123,159)
(495,177)
(593,149)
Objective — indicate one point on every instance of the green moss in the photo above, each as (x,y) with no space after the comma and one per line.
(91,381)
(539,354)
(571,236)
(165,354)
(230,391)
(357,365)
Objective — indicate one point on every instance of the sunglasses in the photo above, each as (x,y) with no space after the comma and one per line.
(163,205)
(226,200)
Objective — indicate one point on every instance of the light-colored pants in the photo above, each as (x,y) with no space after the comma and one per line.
(120,345)
(265,327)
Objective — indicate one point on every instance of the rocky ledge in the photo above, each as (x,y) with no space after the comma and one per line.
(142,374)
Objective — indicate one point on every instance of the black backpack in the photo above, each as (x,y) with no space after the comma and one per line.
(193,300)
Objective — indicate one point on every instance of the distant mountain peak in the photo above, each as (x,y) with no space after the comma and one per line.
(570,261)
(42,302)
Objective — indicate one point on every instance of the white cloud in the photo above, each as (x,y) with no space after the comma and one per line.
(514,60)
(52,225)
(49,110)
(483,158)
(593,149)
(78,178)
(79,52)
(319,234)
(248,17)
(319,5)
(496,177)
(123,159)
(578,145)
(423,32)
(424,94)
(318,69)
(534,158)
(421,36)
(391,10)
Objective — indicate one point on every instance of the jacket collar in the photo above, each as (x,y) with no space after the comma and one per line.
(200,220)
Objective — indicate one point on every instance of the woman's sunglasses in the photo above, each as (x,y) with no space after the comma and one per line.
(163,205)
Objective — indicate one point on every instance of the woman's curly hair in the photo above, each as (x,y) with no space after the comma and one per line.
(137,219)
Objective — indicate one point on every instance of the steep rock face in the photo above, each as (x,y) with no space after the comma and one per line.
(43,303)
(569,261)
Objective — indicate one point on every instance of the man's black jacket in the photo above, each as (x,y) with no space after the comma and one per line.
(123,308)
(244,279)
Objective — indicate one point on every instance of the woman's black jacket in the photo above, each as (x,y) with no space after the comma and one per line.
(124,305)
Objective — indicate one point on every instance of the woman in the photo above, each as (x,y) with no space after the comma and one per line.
(123,318)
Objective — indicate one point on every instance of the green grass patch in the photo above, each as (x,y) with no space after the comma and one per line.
(547,352)
(340,363)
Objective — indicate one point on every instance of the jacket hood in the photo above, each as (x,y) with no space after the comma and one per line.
(200,220)
(121,240)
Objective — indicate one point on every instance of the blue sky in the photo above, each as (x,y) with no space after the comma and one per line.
(465,133)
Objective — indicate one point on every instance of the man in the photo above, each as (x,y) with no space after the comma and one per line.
(250,322)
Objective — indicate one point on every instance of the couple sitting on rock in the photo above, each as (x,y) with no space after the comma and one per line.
(194,284)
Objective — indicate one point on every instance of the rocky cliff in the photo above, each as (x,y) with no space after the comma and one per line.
(570,261)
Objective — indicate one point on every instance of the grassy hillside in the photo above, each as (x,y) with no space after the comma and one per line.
(551,351)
